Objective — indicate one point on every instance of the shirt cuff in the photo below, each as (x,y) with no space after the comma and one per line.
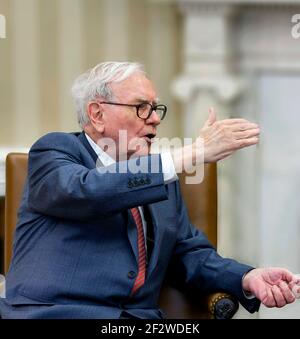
(168,168)
(247,295)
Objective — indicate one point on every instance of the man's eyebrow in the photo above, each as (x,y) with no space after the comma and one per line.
(142,100)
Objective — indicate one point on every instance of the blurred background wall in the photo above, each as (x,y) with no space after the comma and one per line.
(237,55)
(49,43)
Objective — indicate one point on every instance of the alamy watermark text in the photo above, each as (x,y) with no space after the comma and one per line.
(296,28)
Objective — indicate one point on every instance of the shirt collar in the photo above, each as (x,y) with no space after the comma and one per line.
(103,156)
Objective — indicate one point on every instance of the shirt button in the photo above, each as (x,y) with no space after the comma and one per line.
(131,274)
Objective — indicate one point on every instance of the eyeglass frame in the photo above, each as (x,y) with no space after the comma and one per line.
(137,106)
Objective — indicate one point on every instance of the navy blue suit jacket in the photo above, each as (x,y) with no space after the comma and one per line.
(75,248)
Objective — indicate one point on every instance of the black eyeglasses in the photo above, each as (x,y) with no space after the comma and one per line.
(143,110)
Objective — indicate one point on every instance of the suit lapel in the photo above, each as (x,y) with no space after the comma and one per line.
(158,232)
(81,136)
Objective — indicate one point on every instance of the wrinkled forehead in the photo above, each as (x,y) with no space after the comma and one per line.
(136,87)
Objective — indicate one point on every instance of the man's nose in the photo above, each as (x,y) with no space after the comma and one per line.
(154,119)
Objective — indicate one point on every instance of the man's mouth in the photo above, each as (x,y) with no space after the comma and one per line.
(149,137)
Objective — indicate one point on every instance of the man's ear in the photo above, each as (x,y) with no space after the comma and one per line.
(94,111)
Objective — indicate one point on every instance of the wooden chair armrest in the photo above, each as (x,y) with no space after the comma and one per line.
(191,305)
(221,305)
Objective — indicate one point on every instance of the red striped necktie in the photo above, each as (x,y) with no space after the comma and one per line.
(140,279)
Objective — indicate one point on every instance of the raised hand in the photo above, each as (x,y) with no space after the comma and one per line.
(222,138)
(217,140)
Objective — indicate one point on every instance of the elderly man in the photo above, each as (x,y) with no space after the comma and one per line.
(96,241)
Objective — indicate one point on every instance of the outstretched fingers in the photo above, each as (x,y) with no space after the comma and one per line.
(246,142)
(247,134)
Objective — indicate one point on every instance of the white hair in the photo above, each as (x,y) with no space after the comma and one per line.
(94,82)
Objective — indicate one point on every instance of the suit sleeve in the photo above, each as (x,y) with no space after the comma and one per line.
(197,264)
(60,185)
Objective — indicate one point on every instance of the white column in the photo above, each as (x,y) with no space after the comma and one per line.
(25,54)
(71,51)
(207,81)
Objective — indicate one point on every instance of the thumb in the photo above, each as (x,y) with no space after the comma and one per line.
(211,117)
